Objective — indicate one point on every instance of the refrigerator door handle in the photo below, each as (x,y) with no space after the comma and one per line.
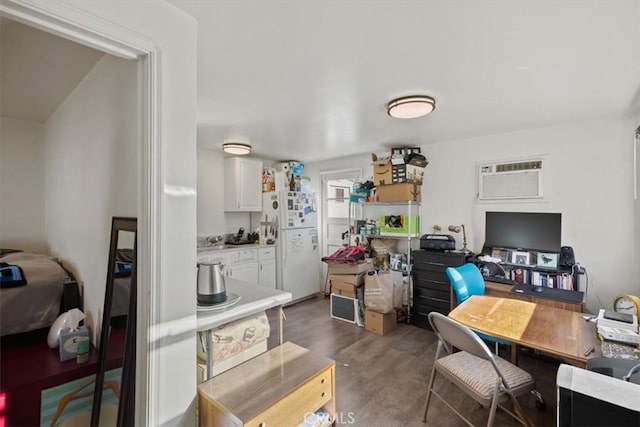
(284,258)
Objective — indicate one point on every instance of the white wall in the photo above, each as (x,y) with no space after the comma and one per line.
(22,172)
(166,386)
(91,173)
(171,377)
(588,177)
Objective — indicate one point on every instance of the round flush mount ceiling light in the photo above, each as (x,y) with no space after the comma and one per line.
(411,107)
(236,148)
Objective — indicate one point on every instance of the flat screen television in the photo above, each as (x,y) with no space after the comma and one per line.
(587,398)
(533,231)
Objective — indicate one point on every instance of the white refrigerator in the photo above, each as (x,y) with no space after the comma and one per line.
(291,218)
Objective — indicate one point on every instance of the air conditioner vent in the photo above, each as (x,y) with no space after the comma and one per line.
(521,166)
(513,180)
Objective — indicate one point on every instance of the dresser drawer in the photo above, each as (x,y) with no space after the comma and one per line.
(431,279)
(419,313)
(306,399)
(436,261)
(423,295)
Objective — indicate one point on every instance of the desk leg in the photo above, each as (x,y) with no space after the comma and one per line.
(209,352)
(514,353)
(281,324)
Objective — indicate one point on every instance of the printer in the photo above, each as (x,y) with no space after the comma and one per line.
(619,327)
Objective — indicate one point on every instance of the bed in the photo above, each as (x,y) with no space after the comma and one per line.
(49,291)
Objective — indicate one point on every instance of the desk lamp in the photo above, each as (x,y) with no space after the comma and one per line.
(456,229)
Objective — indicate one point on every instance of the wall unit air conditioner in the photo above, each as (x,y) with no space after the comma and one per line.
(510,180)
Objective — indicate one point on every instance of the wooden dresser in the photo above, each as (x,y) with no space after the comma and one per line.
(278,388)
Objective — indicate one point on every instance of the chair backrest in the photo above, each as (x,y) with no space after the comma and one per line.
(455,334)
(466,281)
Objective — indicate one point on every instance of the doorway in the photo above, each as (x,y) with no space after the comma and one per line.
(336,190)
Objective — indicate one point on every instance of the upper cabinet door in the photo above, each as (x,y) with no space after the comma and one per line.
(243,185)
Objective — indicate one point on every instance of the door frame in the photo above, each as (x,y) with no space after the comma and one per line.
(69,22)
(323,207)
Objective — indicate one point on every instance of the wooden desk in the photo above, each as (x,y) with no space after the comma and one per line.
(556,331)
(277,388)
(503,290)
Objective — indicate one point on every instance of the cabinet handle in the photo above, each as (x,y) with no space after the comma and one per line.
(322,381)
(262,424)
(323,394)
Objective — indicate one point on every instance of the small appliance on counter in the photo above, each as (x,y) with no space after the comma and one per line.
(211,286)
(240,239)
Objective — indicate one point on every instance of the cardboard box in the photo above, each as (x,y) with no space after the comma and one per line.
(382,170)
(398,173)
(379,323)
(399,225)
(346,284)
(405,192)
(346,268)
(415,170)
(69,342)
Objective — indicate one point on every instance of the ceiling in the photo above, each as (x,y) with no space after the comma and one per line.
(310,80)
(38,70)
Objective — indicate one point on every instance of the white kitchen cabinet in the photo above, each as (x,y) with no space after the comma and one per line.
(267,267)
(241,263)
(242,185)
(247,272)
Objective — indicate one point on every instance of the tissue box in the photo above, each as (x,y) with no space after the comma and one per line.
(69,342)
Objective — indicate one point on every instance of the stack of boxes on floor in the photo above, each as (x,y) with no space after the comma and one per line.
(349,302)
(347,290)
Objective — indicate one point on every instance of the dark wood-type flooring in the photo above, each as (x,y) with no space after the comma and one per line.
(382,380)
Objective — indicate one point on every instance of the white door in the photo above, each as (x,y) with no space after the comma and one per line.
(300,262)
(336,188)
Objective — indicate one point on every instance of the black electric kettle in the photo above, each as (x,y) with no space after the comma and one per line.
(211,286)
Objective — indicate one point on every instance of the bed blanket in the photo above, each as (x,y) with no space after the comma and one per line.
(35,306)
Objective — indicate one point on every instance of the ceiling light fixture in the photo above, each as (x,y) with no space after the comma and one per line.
(236,148)
(411,107)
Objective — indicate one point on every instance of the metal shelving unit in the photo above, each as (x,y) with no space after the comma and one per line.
(410,208)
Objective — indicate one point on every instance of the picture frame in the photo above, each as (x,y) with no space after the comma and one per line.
(500,253)
(520,258)
(547,260)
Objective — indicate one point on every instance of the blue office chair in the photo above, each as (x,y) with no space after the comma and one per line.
(466,281)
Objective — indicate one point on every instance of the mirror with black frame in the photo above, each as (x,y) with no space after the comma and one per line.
(118,328)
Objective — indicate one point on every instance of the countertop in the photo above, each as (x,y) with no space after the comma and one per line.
(253,299)
(228,248)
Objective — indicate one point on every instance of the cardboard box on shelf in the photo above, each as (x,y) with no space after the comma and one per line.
(415,170)
(399,225)
(404,192)
(347,268)
(382,170)
(399,173)
(379,323)
(346,284)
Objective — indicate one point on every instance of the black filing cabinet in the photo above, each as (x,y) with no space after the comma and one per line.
(431,287)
